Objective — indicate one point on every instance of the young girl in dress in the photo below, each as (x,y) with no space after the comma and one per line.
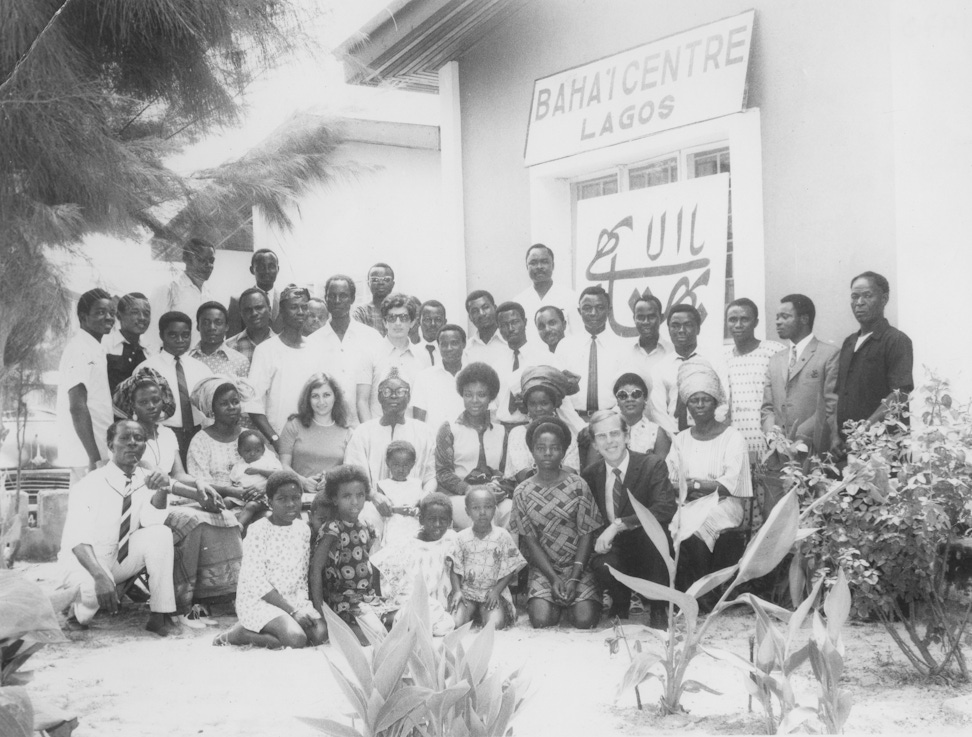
(484,561)
(426,553)
(340,568)
(271,596)
(404,493)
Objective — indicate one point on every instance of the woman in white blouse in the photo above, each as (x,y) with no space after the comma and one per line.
(644,436)
(713,458)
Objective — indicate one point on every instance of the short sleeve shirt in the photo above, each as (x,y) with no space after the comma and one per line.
(83,363)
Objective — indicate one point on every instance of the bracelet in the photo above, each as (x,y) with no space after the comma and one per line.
(293,613)
(574,580)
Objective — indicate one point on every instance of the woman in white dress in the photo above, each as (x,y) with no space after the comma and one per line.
(713,458)
(644,436)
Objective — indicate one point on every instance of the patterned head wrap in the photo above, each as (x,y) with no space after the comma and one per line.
(549,378)
(697,375)
(292,291)
(204,392)
(123,400)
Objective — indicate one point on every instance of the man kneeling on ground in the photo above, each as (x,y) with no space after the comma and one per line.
(115,528)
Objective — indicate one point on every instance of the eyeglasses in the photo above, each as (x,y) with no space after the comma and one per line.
(380,279)
(396,393)
(622,395)
(398,318)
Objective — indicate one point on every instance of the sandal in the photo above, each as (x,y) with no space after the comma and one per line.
(222,640)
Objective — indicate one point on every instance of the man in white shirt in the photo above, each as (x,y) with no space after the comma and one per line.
(485,343)
(434,398)
(183,372)
(543,290)
(666,408)
(123,345)
(265,267)
(83,396)
(283,363)
(189,288)
(394,351)
(115,526)
(432,316)
(593,354)
(518,354)
(642,355)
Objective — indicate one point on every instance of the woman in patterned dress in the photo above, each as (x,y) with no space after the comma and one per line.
(555,516)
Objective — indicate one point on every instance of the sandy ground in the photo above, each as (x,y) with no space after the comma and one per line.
(121,680)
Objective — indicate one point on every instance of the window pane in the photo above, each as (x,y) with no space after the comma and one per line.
(596,187)
(704,164)
(653,174)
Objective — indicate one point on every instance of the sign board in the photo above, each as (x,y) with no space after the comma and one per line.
(694,75)
(669,241)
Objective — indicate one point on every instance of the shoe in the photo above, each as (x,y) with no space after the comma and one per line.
(621,611)
(658,618)
(637,605)
(199,614)
(184,620)
(607,603)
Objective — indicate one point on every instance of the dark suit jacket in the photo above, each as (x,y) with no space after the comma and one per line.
(646,479)
(805,404)
(235,321)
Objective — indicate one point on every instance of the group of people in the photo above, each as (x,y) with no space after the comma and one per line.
(301,452)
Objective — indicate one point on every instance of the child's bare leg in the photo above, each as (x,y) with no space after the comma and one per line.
(465,611)
(251,512)
(585,614)
(543,613)
(316,633)
(497,616)
(239,635)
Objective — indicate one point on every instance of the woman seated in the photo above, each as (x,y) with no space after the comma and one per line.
(314,439)
(543,389)
(469,449)
(712,457)
(206,536)
(644,436)
(555,515)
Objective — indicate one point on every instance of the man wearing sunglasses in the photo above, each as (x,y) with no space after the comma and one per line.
(381,282)
(396,351)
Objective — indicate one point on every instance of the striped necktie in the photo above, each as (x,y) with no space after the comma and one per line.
(125,528)
(793,360)
(618,493)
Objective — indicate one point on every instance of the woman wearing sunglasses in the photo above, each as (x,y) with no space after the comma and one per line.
(644,436)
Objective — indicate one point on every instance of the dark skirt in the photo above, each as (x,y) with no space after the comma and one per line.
(208,552)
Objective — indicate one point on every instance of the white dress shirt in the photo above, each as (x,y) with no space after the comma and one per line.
(370,439)
(801,347)
(530,354)
(492,352)
(94,512)
(557,296)
(664,390)
(435,392)
(359,341)
(377,362)
(83,363)
(574,351)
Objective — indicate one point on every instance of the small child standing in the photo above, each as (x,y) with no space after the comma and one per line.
(271,596)
(251,474)
(484,562)
(427,554)
(403,492)
(340,566)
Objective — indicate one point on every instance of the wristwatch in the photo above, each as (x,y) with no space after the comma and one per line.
(274,438)
(696,486)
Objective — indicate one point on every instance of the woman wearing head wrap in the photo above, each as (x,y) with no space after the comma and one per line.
(213,451)
(196,527)
(713,458)
(543,389)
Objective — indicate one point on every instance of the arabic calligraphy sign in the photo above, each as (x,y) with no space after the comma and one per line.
(669,241)
(691,76)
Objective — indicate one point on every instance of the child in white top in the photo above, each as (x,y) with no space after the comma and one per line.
(251,473)
(403,493)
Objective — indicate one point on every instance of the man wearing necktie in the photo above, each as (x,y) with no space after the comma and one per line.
(516,356)
(799,395)
(432,316)
(594,354)
(115,527)
(623,543)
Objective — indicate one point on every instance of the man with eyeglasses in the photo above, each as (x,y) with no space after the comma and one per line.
(283,363)
(381,282)
(370,439)
(396,351)
(593,355)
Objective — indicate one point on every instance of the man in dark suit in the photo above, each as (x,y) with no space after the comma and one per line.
(623,543)
(799,395)
(264,267)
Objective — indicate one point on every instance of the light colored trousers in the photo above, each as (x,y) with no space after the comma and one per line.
(149,548)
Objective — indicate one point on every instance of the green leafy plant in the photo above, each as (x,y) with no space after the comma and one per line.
(410,685)
(902,506)
(27,623)
(669,664)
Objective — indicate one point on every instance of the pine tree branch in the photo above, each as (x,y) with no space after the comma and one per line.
(33,45)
